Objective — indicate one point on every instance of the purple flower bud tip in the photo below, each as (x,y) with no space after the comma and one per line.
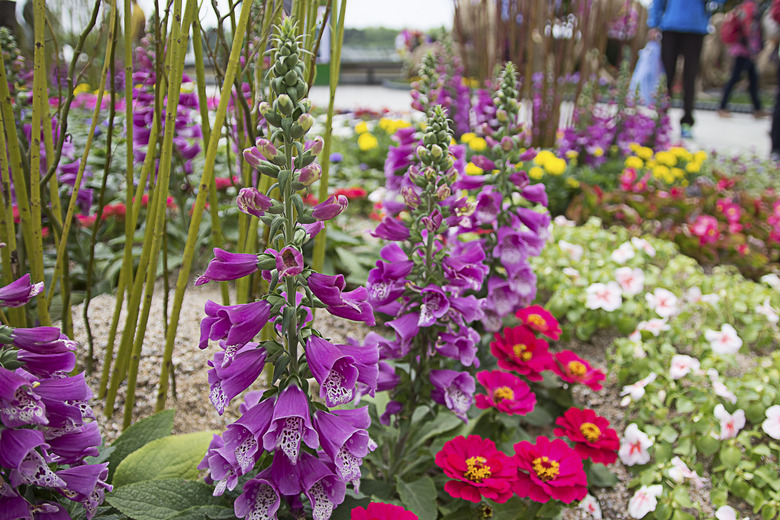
(310,174)
(330,207)
(253,156)
(253,202)
(289,262)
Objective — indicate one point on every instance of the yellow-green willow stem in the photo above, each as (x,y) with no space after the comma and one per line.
(207,178)
(318,256)
(83,164)
(180,39)
(16,315)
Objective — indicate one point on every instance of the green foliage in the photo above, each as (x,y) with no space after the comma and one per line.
(139,434)
(167,499)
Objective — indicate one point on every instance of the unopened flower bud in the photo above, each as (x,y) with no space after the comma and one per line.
(330,207)
(264,108)
(433,221)
(502,116)
(443,192)
(436,151)
(410,197)
(316,145)
(506,143)
(310,174)
(266,148)
(253,202)
(253,157)
(284,104)
(306,121)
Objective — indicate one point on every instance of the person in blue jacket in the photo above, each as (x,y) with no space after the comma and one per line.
(681,25)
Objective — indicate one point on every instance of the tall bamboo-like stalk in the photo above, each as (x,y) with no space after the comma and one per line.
(335,69)
(207,178)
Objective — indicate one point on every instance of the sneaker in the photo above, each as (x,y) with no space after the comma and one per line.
(724,114)
(686,132)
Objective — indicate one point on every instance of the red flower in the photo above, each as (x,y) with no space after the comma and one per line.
(594,439)
(506,393)
(549,469)
(537,318)
(223,183)
(380,511)
(574,369)
(354,192)
(479,469)
(310,200)
(117,210)
(521,351)
(86,220)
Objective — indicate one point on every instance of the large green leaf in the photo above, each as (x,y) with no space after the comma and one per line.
(161,499)
(170,457)
(344,510)
(419,497)
(155,427)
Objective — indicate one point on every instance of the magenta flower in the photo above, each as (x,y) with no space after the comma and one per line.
(323,489)
(253,202)
(330,207)
(42,340)
(344,439)
(289,262)
(536,193)
(337,368)
(351,305)
(291,425)
(232,371)
(455,390)
(243,439)
(506,393)
(461,346)
(228,266)
(18,453)
(19,404)
(434,305)
(221,465)
(391,228)
(260,499)
(237,324)
(19,292)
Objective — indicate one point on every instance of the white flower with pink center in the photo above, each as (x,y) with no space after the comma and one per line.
(644,500)
(643,245)
(772,280)
(634,446)
(562,221)
(603,296)
(590,505)
(572,273)
(623,254)
(771,425)
(723,341)
(727,513)
(655,326)
(632,281)
(730,423)
(573,251)
(680,471)
(767,311)
(663,302)
(636,391)
(719,388)
(683,365)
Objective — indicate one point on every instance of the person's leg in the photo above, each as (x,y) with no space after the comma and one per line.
(736,73)
(691,49)
(776,117)
(670,50)
(753,84)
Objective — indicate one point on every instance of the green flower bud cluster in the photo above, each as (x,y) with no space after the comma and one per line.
(436,172)
(428,82)
(12,58)
(507,107)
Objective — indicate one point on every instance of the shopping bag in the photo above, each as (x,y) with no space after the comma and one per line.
(647,73)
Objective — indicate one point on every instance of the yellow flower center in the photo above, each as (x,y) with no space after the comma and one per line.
(545,468)
(503,392)
(477,470)
(576,368)
(522,352)
(536,320)
(590,431)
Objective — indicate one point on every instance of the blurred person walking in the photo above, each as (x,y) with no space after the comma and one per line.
(741,32)
(681,26)
(772,29)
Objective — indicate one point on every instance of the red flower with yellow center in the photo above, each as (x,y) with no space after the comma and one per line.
(381,511)
(573,369)
(549,469)
(537,318)
(593,437)
(477,468)
(519,350)
(506,393)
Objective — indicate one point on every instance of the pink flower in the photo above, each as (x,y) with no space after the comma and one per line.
(644,500)
(590,505)
(573,369)
(706,228)
(634,446)
(506,393)
(623,254)
(632,281)
(603,296)
(724,341)
(636,391)
(682,365)
(680,471)
(771,425)
(655,326)
(730,210)
(730,424)
(644,245)
(663,302)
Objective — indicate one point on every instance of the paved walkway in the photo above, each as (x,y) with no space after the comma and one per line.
(739,134)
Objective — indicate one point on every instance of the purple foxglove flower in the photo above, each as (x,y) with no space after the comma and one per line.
(523,283)
(45,365)
(250,399)
(227,380)
(237,324)
(455,390)
(406,328)
(350,305)
(528,155)
(520,179)
(535,221)
(386,281)
(470,182)
(19,292)
(488,206)
(536,193)
(316,145)
(462,347)
(66,400)
(465,267)
(330,207)
(393,408)
(312,230)
(289,262)
(468,307)
(482,162)
(42,340)
(228,266)
(72,446)
(243,438)
(343,442)
(500,298)
(337,368)
(221,471)
(391,228)
(435,304)
(386,378)
(323,489)
(251,155)
(18,453)
(12,504)
(86,484)
(260,499)
(291,424)
(19,404)
(253,202)
(309,174)
(432,221)
(285,475)
(510,248)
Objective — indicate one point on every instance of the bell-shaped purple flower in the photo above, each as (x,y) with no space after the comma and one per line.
(482,162)
(536,193)
(500,298)
(520,179)
(70,446)
(228,266)
(350,305)
(86,484)
(291,425)
(227,380)
(406,328)
(344,442)
(528,155)
(323,489)
(243,439)
(236,324)
(465,267)
(488,206)
(18,453)
(66,400)
(462,347)
(392,408)
(289,262)
(435,304)
(260,499)
(19,292)
(337,368)
(46,365)
(465,309)
(510,248)
(253,202)
(19,404)
(221,466)
(386,281)
(535,221)
(42,340)
(330,207)
(432,221)
(391,228)
(455,390)
(386,378)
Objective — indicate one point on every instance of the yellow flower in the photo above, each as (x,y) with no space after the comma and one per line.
(391,126)
(470,82)
(634,147)
(598,151)
(543,156)
(666,158)
(572,183)
(536,173)
(681,153)
(81,89)
(693,167)
(367,141)
(661,172)
(700,156)
(634,162)
(644,152)
(572,154)
(678,173)
(473,169)
(555,166)
(361,127)
(478,144)
(467,137)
